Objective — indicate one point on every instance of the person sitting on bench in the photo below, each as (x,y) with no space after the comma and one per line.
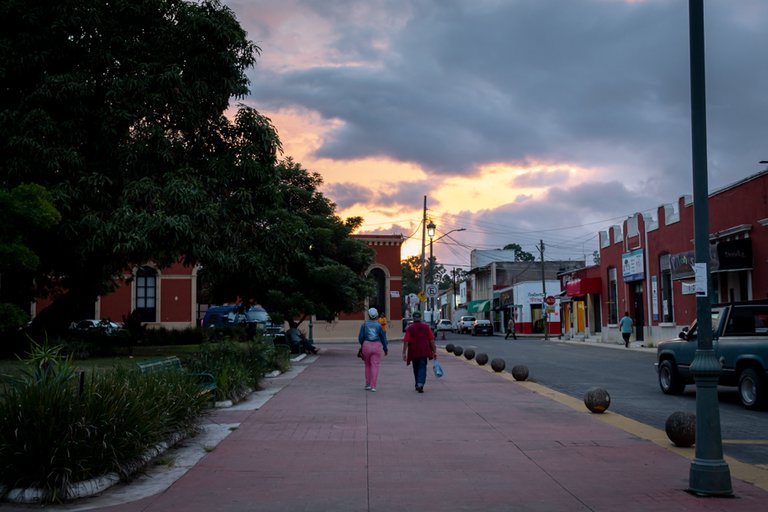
(297,341)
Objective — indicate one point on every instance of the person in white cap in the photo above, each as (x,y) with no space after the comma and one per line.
(373,341)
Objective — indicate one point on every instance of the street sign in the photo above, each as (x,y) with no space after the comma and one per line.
(422,296)
(431,290)
(550,300)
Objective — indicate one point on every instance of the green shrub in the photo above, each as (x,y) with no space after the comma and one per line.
(52,434)
(238,366)
(162,336)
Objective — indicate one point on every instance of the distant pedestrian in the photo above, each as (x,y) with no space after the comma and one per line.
(625,326)
(511,328)
(383,321)
(373,341)
(418,347)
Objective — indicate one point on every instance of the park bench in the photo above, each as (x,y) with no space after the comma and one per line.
(206,381)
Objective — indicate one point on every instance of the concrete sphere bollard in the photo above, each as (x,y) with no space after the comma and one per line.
(498,364)
(449,347)
(481,358)
(520,372)
(458,350)
(681,428)
(597,400)
(469,354)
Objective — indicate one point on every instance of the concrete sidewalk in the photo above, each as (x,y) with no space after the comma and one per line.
(473,441)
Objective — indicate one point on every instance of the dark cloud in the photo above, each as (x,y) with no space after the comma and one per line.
(453,85)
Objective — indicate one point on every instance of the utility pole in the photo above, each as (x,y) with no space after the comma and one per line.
(709,474)
(423,240)
(544,313)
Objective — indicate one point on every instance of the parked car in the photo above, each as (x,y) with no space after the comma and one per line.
(482,326)
(740,343)
(465,323)
(444,325)
(232,315)
(107,326)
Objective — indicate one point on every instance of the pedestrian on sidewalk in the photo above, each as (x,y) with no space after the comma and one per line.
(373,341)
(511,328)
(418,348)
(625,326)
(383,321)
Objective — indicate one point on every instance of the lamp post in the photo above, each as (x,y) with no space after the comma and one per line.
(431,233)
(431,229)
(709,474)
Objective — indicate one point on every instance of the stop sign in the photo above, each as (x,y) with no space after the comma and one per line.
(550,300)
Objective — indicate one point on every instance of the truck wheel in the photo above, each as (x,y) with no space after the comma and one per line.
(752,389)
(670,381)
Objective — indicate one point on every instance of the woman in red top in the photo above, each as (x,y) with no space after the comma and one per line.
(418,347)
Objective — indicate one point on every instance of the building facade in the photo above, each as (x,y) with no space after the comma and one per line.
(168,297)
(647,264)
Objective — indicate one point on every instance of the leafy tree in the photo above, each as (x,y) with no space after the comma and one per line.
(316,269)
(118,109)
(115,108)
(520,254)
(27,211)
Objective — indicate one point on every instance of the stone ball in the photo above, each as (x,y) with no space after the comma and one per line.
(597,400)
(520,372)
(449,347)
(498,364)
(481,358)
(681,428)
(469,354)
(458,350)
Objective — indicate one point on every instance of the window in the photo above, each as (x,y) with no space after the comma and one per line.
(613,292)
(146,294)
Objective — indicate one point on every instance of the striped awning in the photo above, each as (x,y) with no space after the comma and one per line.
(479,306)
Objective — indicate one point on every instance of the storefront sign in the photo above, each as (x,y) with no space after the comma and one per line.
(734,255)
(633,268)
(654,299)
(681,265)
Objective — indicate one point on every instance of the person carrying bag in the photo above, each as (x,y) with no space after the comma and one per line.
(418,347)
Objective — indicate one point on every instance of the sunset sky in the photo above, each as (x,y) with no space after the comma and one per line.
(520,120)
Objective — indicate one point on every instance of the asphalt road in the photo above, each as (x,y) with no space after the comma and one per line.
(630,378)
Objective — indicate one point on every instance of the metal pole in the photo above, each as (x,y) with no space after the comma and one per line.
(709,474)
(544,314)
(423,241)
(431,281)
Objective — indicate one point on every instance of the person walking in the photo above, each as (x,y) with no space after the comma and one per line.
(625,326)
(373,341)
(383,321)
(511,328)
(418,347)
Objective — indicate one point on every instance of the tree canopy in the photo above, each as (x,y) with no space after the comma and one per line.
(27,212)
(520,254)
(118,109)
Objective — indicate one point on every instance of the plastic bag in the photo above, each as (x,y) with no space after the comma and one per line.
(438,369)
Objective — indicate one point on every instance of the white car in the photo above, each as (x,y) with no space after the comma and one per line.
(444,325)
(107,326)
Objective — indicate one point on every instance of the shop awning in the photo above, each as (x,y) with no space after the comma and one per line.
(581,287)
(479,306)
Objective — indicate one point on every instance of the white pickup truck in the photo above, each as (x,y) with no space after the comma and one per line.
(464,325)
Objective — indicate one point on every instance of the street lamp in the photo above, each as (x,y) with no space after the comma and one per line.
(431,233)
(709,474)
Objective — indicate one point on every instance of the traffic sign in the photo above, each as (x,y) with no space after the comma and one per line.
(550,300)
(422,296)
(431,290)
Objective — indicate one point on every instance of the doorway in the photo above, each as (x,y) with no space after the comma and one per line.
(639,311)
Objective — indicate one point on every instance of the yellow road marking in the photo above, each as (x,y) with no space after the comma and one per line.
(756,474)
